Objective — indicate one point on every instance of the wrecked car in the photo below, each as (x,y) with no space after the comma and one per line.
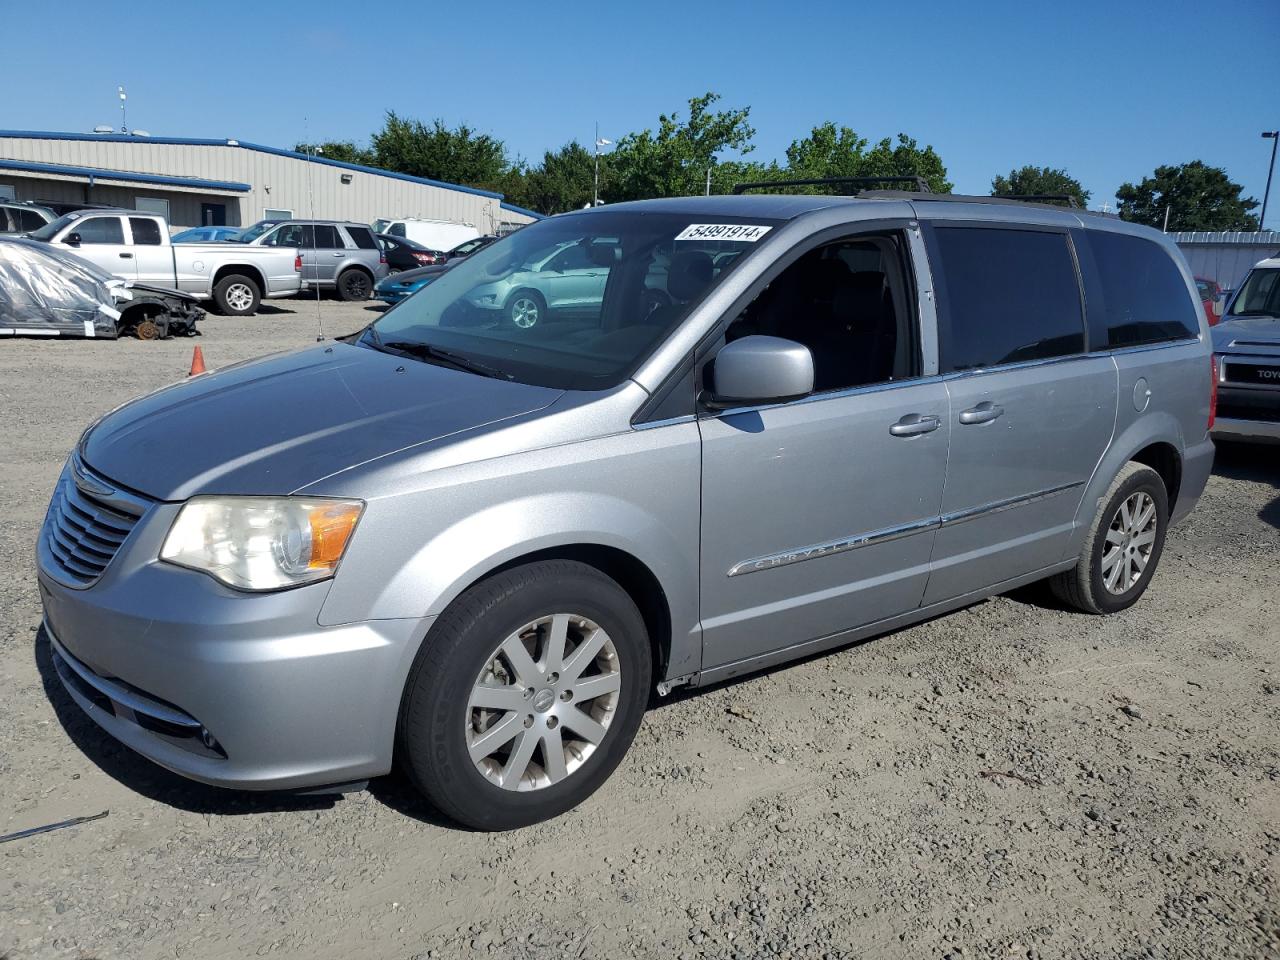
(50,293)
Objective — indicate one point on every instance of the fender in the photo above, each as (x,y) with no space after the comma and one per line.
(1154,427)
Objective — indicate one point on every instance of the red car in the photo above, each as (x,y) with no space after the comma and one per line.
(1210,299)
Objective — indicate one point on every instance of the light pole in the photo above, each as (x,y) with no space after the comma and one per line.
(595,187)
(124,119)
(1274,137)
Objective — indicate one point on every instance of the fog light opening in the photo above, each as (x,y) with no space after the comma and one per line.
(210,742)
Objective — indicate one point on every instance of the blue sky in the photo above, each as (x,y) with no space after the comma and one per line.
(1106,90)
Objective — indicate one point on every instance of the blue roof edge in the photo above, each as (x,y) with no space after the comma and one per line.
(159,179)
(528,213)
(231,142)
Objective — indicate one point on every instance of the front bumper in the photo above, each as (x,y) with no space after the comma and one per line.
(231,689)
(1231,428)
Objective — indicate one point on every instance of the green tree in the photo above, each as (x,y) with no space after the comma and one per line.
(344,150)
(831,151)
(1032,181)
(459,155)
(674,161)
(563,181)
(1196,196)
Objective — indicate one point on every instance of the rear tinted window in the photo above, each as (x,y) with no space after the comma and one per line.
(362,238)
(1007,296)
(29,219)
(327,237)
(145,232)
(1143,291)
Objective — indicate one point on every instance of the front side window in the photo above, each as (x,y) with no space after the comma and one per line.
(575,302)
(396,230)
(145,232)
(1143,291)
(291,235)
(99,230)
(849,303)
(1005,296)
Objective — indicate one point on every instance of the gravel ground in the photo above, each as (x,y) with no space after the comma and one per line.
(1009,781)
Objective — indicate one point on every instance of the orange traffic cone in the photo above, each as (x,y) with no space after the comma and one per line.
(197,363)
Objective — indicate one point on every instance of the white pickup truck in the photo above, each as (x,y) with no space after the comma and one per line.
(136,246)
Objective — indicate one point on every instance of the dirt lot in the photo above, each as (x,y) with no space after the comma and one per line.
(1010,781)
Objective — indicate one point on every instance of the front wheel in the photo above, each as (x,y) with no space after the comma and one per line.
(526,309)
(526,695)
(1123,547)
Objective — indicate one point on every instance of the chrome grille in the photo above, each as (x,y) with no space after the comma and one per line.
(83,531)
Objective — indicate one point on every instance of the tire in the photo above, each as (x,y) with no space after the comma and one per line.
(237,295)
(526,309)
(354,284)
(513,781)
(1087,586)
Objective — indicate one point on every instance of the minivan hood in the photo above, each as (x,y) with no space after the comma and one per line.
(274,425)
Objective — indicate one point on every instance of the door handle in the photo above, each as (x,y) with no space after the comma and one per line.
(126,256)
(984,412)
(915,423)
(339,254)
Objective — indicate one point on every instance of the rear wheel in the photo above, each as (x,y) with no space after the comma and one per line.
(1123,547)
(236,295)
(525,695)
(355,285)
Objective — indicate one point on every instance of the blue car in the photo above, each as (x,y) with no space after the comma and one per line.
(396,287)
(206,235)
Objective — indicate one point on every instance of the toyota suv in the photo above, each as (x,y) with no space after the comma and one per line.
(476,545)
(339,256)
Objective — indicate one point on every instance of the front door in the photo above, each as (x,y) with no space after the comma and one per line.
(102,240)
(819,515)
(1031,413)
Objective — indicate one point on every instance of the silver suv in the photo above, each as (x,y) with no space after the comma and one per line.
(336,255)
(479,545)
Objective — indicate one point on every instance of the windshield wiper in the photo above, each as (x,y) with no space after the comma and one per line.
(424,351)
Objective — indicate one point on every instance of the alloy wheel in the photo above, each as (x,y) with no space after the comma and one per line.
(543,702)
(239,297)
(524,312)
(1130,539)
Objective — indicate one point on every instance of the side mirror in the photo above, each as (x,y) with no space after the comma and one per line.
(72,239)
(760,370)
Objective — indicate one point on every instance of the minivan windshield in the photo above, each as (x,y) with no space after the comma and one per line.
(1259,296)
(574,302)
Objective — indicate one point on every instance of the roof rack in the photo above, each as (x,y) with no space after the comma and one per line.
(1066,198)
(920,184)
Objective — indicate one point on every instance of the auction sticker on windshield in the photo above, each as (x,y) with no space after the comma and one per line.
(743,232)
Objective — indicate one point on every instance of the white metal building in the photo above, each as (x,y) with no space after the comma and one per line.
(1226,257)
(216,182)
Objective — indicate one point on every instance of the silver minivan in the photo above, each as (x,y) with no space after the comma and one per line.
(477,547)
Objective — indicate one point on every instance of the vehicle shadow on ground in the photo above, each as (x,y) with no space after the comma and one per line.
(1253,463)
(146,778)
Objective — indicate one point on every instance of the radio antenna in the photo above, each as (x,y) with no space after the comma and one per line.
(311,199)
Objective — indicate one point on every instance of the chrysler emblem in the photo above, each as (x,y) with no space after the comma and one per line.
(91,485)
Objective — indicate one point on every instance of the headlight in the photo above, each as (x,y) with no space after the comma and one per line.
(487,298)
(261,543)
